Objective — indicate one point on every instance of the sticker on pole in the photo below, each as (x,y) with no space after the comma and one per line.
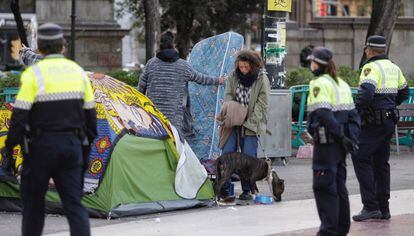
(279,5)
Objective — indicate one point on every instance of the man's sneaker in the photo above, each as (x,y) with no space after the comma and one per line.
(245,197)
(386,215)
(367,215)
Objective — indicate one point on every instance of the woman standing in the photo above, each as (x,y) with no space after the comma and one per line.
(334,125)
(249,86)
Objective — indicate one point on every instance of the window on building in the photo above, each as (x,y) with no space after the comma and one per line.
(346,10)
(26,6)
(333,10)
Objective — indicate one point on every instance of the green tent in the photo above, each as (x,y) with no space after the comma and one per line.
(129,174)
(139,180)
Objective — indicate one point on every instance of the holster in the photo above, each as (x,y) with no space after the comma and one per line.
(27,139)
(367,116)
(321,135)
(86,148)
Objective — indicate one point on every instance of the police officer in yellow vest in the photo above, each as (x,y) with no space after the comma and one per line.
(382,87)
(334,125)
(55,107)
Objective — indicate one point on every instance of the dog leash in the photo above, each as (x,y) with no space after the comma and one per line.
(269,176)
(262,147)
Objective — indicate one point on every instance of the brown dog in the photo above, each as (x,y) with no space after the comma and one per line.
(247,168)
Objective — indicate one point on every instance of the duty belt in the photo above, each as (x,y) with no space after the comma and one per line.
(38,132)
(378,117)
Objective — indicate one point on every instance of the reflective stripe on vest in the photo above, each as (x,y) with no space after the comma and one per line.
(42,96)
(40,81)
(389,81)
(337,105)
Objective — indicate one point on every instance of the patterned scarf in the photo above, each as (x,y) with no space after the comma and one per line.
(243,94)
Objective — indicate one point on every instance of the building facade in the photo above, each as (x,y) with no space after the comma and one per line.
(98,36)
(345,33)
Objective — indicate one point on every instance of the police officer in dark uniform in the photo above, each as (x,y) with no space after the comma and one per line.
(334,125)
(382,87)
(55,107)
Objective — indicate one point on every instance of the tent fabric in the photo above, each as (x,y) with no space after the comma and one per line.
(190,174)
(139,180)
(133,162)
(120,109)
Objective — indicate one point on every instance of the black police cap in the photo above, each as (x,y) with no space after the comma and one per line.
(376,41)
(50,31)
(321,55)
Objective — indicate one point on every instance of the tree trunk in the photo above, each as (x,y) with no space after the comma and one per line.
(183,40)
(383,18)
(184,22)
(152,27)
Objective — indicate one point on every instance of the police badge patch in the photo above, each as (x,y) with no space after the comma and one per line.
(367,71)
(316,91)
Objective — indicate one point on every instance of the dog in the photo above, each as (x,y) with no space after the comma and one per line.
(277,185)
(247,168)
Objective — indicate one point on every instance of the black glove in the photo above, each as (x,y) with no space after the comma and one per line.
(7,166)
(349,145)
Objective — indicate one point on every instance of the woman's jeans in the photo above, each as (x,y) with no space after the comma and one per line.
(248,146)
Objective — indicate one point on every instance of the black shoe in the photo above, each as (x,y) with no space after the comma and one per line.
(367,215)
(245,197)
(224,195)
(385,215)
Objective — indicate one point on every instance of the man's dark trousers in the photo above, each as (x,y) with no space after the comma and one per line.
(371,165)
(57,156)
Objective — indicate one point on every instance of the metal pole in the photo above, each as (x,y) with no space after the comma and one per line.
(262,25)
(72,36)
(275,47)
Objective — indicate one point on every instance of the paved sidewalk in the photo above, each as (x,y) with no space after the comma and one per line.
(283,217)
(400,225)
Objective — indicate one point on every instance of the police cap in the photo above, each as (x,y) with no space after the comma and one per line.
(50,31)
(321,55)
(376,41)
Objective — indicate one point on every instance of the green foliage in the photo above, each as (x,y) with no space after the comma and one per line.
(349,75)
(9,80)
(194,19)
(410,80)
(302,76)
(128,77)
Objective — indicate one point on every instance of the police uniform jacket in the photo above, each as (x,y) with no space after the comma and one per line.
(330,104)
(382,85)
(55,96)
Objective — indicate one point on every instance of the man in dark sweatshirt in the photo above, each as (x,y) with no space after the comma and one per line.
(165,82)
